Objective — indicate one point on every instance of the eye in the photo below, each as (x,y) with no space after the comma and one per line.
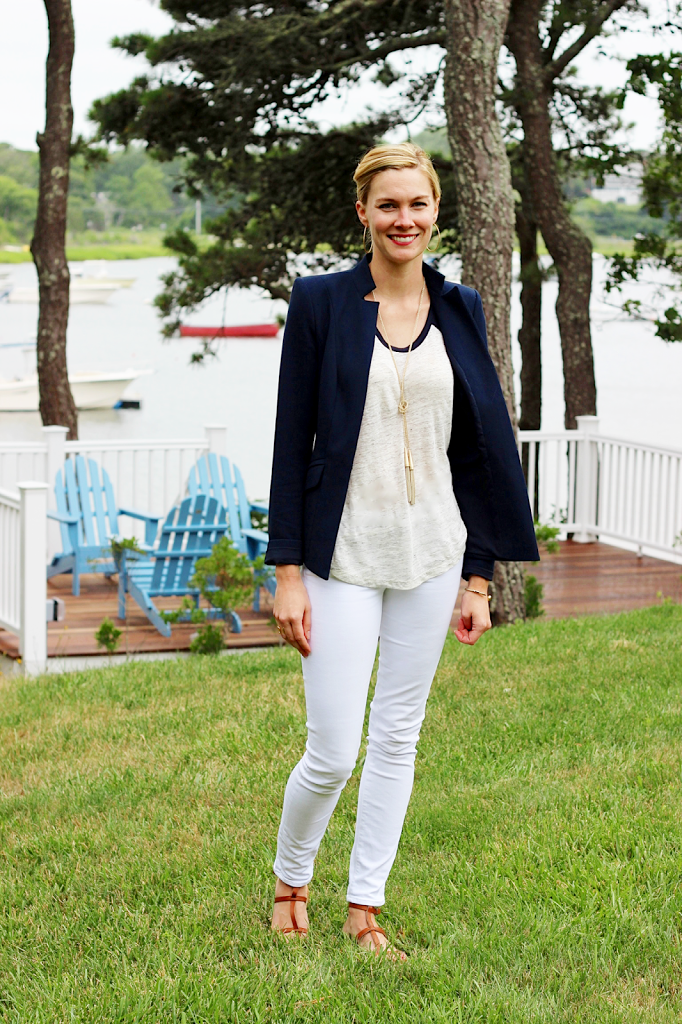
(386,206)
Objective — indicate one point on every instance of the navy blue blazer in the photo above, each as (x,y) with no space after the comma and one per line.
(326,355)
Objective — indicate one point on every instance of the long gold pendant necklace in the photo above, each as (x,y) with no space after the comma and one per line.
(402,401)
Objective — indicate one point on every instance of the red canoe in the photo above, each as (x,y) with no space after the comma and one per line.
(243,331)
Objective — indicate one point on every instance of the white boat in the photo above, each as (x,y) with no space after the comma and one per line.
(97,390)
(94,272)
(79,292)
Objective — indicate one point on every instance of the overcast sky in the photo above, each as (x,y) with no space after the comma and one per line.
(98,69)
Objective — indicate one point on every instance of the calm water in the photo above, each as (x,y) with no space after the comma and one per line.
(639,378)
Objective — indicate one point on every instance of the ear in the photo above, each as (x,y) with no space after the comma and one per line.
(437,202)
(362,216)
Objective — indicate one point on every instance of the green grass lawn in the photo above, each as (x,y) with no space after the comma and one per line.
(538,878)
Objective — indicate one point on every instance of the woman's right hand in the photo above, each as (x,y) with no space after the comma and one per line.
(292,608)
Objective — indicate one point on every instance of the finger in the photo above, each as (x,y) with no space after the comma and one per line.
(462,632)
(300,641)
(478,629)
(306,622)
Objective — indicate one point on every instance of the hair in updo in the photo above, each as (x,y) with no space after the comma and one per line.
(393,158)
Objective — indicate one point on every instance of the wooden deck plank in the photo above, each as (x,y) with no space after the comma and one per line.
(581,579)
(593,579)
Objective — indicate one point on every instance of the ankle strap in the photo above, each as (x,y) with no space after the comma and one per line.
(366,908)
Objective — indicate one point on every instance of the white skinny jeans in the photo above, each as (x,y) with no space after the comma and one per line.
(346,621)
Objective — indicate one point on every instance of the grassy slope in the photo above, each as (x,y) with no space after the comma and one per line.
(109,251)
(538,878)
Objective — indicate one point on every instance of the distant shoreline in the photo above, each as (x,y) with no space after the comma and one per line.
(140,251)
(112,251)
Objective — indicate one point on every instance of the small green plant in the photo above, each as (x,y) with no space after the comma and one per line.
(259,520)
(108,636)
(533,592)
(226,577)
(208,640)
(546,536)
(187,612)
(118,545)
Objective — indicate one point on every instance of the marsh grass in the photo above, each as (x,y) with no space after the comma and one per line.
(538,878)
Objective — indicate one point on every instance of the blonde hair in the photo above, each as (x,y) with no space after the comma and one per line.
(393,158)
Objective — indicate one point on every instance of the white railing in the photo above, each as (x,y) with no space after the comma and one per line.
(149,474)
(20,460)
(23,589)
(593,486)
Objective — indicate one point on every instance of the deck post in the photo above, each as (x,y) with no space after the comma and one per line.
(216,435)
(586,479)
(55,439)
(33,581)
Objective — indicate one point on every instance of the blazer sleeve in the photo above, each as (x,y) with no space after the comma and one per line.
(294,430)
(467,473)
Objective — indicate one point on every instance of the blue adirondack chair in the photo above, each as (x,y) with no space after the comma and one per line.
(87,514)
(190,531)
(213,475)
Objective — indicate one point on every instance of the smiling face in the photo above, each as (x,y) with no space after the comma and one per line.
(400,213)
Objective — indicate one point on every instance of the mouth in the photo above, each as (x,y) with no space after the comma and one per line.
(403,240)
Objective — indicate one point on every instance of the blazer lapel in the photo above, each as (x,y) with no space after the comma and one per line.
(360,343)
(452,313)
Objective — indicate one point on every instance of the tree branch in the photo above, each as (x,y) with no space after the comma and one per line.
(592,28)
(435,38)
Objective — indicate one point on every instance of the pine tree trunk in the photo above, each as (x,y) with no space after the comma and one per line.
(48,247)
(474,33)
(570,249)
(531,307)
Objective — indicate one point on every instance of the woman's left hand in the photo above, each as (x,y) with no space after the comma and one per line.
(475,618)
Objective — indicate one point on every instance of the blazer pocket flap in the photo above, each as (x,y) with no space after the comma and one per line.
(314,475)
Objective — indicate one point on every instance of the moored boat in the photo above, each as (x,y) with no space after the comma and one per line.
(79,292)
(240,331)
(96,272)
(96,390)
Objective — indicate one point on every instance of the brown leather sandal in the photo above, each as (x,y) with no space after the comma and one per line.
(292,898)
(374,931)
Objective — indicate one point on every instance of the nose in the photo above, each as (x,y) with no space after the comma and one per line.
(404,218)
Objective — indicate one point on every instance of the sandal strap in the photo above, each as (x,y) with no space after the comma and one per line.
(373,931)
(293,898)
(369,930)
(366,908)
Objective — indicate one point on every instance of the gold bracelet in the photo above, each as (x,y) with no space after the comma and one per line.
(468,590)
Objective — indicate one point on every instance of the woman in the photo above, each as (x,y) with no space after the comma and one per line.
(395,474)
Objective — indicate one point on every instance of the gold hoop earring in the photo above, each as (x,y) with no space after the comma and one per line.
(437,245)
(364,241)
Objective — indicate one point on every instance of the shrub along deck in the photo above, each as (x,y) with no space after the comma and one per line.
(538,877)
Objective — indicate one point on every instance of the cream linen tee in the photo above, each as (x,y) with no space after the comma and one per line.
(383,541)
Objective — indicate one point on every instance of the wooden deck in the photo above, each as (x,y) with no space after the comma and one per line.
(75,636)
(594,579)
(582,579)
